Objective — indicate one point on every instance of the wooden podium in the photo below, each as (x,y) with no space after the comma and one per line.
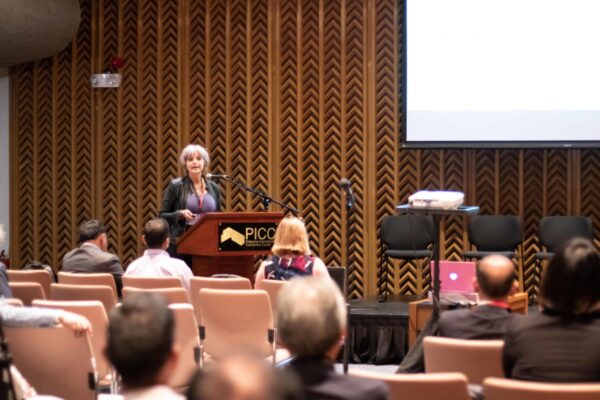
(226,243)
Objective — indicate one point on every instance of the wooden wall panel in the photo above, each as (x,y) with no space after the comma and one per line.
(289,97)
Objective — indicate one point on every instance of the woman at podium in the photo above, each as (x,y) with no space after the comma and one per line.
(189,197)
(291,254)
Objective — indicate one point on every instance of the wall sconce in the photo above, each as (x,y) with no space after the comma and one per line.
(106,80)
(109,78)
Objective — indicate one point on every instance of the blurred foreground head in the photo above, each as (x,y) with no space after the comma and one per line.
(311,317)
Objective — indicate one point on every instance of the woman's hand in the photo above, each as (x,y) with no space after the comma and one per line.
(187,214)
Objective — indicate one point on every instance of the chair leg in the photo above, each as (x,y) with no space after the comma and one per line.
(380,271)
(520,274)
(114,381)
(382,278)
(537,271)
(428,262)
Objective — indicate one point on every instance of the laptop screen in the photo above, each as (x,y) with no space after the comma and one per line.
(455,276)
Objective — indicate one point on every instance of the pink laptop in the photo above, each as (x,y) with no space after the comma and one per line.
(455,276)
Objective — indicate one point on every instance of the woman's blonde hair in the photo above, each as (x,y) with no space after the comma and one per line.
(291,237)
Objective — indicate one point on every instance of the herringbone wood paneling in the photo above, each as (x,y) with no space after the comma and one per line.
(289,97)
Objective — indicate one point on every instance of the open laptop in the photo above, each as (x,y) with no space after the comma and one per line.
(456,281)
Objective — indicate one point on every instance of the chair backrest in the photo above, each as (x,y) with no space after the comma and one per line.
(477,359)
(151,282)
(27,291)
(407,232)
(172,295)
(188,341)
(102,293)
(15,302)
(97,278)
(272,287)
(501,389)
(495,232)
(40,276)
(447,386)
(556,231)
(94,311)
(236,320)
(54,361)
(338,274)
(204,282)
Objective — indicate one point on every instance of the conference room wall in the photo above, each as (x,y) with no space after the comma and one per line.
(288,96)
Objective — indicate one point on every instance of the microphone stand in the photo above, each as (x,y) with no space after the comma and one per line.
(349,258)
(266,199)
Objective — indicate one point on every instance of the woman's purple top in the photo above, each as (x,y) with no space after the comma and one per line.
(200,206)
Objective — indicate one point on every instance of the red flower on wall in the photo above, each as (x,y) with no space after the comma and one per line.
(115,64)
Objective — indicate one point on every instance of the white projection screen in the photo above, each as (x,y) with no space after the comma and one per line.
(501,73)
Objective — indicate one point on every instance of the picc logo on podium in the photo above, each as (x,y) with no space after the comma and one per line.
(246,236)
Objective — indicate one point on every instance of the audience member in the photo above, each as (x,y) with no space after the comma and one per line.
(291,254)
(140,346)
(92,255)
(156,261)
(38,317)
(243,377)
(495,282)
(562,343)
(311,324)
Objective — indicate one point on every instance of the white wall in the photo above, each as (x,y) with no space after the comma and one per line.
(4,154)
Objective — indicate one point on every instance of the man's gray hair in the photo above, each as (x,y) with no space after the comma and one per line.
(192,149)
(311,316)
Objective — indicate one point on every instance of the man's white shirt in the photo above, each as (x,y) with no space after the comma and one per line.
(157,262)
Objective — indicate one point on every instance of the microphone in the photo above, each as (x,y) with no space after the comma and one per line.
(345,185)
(216,176)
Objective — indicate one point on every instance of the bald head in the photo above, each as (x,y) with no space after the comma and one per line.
(495,277)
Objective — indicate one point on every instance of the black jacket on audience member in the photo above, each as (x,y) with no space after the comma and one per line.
(482,322)
(545,348)
(320,381)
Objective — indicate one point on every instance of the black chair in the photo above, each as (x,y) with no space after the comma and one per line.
(338,275)
(556,231)
(404,237)
(497,234)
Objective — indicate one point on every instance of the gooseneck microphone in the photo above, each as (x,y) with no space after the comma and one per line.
(350,200)
(216,176)
(266,199)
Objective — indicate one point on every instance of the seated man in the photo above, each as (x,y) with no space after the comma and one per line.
(141,347)
(156,261)
(92,255)
(312,323)
(495,282)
